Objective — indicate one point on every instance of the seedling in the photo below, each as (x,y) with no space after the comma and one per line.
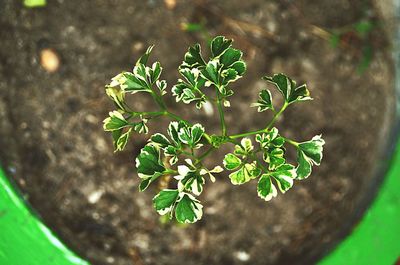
(34,3)
(358,38)
(179,154)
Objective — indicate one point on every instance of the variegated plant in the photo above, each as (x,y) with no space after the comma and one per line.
(178,155)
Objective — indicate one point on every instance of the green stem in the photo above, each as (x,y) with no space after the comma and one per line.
(209,151)
(170,171)
(164,111)
(240,135)
(189,154)
(208,137)
(158,100)
(174,116)
(276,116)
(221,113)
(266,129)
(148,113)
(292,142)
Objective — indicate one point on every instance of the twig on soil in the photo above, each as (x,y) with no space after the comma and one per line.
(240,26)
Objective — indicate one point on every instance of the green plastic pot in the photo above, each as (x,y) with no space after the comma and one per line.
(375,239)
(25,240)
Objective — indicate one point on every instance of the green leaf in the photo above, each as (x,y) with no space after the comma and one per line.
(228,76)
(264,101)
(284,176)
(173,129)
(229,57)
(190,180)
(188,90)
(145,57)
(165,201)
(116,135)
(123,140)
(309,153)
(274,158)
(304,167)
(188,209)
(191,135)
(193,58)
(141,127)
(313,149)
(291,93)
(271,138)
(246,173)
(211,72)
(160,140)
(155,72)
(145,183)
(162,85)
(148,162)
(225,92)
(219,44)
(217,169)
(239,67)
(271,145)
(232,67)
(245,147)
(136,82)
(217,140)
(172,152)
(231,162)
(265,188)
(115,121)
(117,96)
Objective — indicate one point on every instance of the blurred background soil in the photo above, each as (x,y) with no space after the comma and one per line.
(53,145)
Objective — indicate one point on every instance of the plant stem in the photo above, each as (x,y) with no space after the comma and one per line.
(266,129)
(240,135)
(174,116)
(276,116)
(221,113)
(189,154)
(158,100)
(292,142)
(149,113)
(170,171)
(164,111)
(204,155)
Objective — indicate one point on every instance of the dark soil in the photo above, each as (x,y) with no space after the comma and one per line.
(52,141)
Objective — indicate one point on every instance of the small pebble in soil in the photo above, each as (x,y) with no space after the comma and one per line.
(49,60)
(110,260)
(242,255)
(95,196)
(170,4)
(12,170)
(137,46)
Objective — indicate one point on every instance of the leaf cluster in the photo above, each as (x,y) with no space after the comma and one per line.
(178,155)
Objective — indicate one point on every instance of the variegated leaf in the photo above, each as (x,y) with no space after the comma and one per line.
(164,202)
(245,173)
(308,154)
(188,209)
(115,121)
(288,88)
(264,101)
